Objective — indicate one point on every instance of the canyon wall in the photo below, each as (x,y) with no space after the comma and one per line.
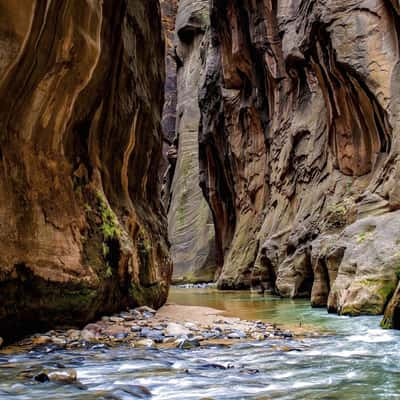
(82,227)
(299,149)
(190,225)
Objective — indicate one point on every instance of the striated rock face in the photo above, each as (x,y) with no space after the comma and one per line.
(191,229)
(82,230)
(169,9)
(299,148)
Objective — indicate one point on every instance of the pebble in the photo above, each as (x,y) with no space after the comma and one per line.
(87,335)
(116,319)
(146,309)
(258,336)
(187,344)
(129,391)
(140,327)
(144,343)
(234,335)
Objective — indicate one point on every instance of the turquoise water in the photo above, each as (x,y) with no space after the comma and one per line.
(358,361)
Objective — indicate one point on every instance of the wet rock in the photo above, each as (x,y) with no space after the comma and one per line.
(187,344)
(120,336)
(237,335)
(258,336)
(146,309)
(127,316)
(129,391)
(1,341)
(41,340)
(174,329)
(153,334)
(88,336)
(116,319)
(144,343)
(67,375)
(73,334)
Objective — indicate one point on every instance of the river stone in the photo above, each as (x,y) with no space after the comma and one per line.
(144,343)
(174,329)
(1,341)
(187,344)
(237,335)
(88,336)
(67,375)
(129,391)
(116,319)
(153,334)
(127,316)
(146,309)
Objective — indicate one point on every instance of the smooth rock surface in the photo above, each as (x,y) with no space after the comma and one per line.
(190,223)
(82,228)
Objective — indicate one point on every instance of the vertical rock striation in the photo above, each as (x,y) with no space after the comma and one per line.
(191,229)
(169,9)
(299,148)
(82,231)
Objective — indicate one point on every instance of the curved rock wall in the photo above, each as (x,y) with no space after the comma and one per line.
(191,230)
(82,231)
(299,148)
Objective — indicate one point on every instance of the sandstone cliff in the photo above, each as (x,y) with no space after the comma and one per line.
(190,225)
(82,231)
(299,149)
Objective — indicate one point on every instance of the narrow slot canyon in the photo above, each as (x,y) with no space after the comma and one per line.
(199,199)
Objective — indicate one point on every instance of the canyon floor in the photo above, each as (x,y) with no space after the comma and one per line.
(349,358)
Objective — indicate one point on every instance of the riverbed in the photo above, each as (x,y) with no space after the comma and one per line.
(354,360)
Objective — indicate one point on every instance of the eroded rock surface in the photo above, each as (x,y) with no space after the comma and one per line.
(299,148)
(82,231)
(191,229)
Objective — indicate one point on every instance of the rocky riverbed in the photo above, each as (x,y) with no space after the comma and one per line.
(183,327)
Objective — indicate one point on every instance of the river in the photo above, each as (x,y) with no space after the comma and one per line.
(356,361)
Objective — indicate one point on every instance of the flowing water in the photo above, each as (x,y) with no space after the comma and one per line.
(358,361)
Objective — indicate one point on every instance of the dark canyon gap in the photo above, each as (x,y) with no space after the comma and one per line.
(82,227)
(190,224)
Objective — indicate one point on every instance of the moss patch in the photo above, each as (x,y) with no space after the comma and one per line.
(109,223)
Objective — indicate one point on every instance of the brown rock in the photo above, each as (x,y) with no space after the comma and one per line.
(80,107)
(299,148)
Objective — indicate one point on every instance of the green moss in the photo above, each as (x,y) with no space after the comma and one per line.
(108,271)
(180,214)
(337,214)
(386,323)
(361,237)
(105,250)
(387,290)
(384,288)
(153,295)
(109,223)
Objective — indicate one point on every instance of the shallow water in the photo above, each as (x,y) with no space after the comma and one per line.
(360,361)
